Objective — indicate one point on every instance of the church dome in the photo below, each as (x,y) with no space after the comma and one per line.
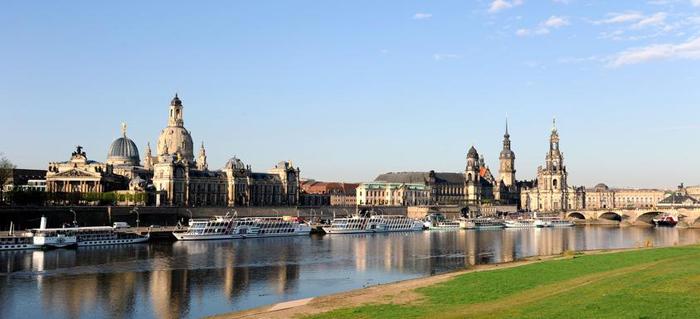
(176,140)
(234,164)
(123,151)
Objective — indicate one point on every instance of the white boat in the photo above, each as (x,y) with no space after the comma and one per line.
(437,221)
(480,223)
(465,223)
(54,237)
(367,223)
(557,222)
(43,237)
(106,235)
(487,223)
(224,227)
(524,223)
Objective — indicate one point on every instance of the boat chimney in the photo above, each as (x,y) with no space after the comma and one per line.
(42,225)
(12,229)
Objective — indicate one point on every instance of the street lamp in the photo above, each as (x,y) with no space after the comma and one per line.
(75,217)
(136,210)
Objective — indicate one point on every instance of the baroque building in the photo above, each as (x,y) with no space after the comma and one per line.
(551,192)
(180,180)
(173,175)
(475,186)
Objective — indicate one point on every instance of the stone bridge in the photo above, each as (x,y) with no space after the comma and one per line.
(641,216)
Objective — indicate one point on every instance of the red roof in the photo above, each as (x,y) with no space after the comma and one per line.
(314,187)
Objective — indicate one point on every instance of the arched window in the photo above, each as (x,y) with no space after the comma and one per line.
(554,184)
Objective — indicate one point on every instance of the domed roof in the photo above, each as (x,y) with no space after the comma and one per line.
(176,101)
(472,153)
(601,187)
(234,163)
(123,151)
(507,154)
(176,140)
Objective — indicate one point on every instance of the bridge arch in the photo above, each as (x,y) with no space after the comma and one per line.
(611,216)
(647,217)
(576,215)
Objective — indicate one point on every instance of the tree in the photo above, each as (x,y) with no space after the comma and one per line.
(6,168)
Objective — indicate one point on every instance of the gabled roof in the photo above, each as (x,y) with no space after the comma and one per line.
(679,199)
(77,173)
(420,177)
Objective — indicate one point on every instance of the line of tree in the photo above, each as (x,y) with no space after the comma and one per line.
(38,198)
(6,168)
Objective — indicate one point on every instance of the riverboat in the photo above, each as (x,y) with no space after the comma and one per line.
(224,227)
(524,223)
(64,237)
(558,222)
(665,220)
(368,223)
(106,235)
(487,223)
(437,221)
(483,223)
(12,241)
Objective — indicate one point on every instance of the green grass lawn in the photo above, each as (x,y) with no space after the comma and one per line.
(654,283)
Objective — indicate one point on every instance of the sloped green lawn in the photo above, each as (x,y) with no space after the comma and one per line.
(653,283)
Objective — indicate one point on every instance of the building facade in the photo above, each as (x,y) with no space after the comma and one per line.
(315,193)
(551,192)
(475,186)
(174,175)
(603,197)
(182,180)
(393,194)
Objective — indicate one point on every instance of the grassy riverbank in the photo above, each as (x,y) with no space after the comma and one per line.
(650,283)
(645,283)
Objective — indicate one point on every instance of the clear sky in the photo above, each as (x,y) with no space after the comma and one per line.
(350,89)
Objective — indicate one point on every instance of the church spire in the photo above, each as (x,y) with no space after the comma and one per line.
(507,134)
(202,159)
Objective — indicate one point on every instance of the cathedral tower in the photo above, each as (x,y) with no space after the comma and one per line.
(202,159)
(507,161)
(175,139)
(472,176)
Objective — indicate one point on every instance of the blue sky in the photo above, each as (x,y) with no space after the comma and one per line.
(348,90)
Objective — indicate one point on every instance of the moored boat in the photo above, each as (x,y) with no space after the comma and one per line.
(665,220)
(225,227)
(438,221)
(369,223)
(13,241)
(44,237)
(107,235)
(488,223)
(558,222)
(523,223)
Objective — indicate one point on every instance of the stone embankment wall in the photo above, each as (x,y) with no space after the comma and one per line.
(28,217)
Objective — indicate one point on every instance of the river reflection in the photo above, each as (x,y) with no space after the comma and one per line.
(194,279)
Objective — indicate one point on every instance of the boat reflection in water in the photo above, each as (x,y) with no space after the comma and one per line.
(199,278)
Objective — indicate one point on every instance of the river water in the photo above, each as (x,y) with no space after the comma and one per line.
(195,279)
